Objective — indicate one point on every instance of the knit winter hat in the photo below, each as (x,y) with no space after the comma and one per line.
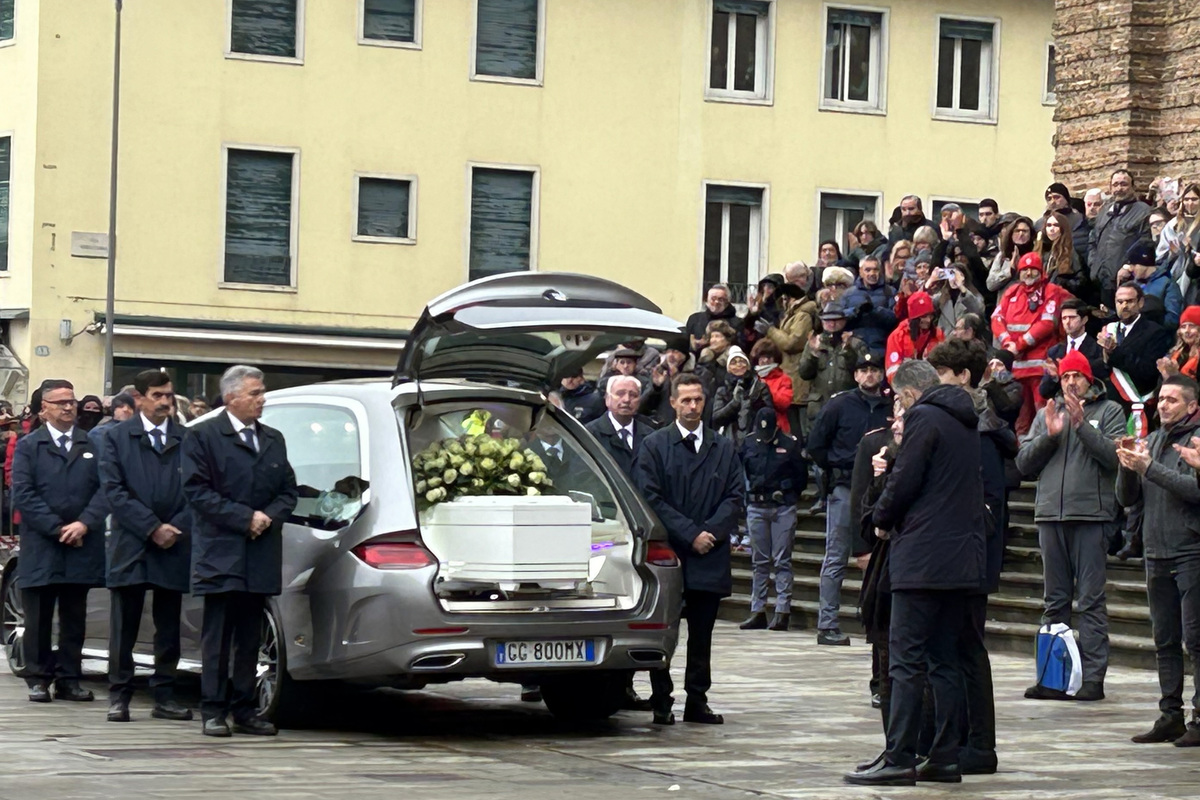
(919,305)
(736,352)
(1190,314)
(1030,260)
(1076,361)
(1059,188)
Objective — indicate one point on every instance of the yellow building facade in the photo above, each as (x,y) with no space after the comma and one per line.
(298,177)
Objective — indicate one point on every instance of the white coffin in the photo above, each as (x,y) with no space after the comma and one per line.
(510,539)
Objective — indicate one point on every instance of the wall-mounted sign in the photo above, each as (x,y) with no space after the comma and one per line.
(89,245)
(41,350)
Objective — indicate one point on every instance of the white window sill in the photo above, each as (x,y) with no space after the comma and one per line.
(8,42)
(257,287)
(742,98)
(266,59)
(382,240)
(1050,100)
(502,79)
(948,116)
(389,43)
(848,108)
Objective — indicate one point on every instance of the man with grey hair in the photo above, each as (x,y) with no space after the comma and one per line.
(241,488)
(718,305)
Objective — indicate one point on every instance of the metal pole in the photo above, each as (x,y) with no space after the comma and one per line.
(112,209)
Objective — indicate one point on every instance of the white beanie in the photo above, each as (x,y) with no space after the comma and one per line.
(736,352)
(836,274)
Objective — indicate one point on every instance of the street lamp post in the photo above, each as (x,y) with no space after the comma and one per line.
(112,209)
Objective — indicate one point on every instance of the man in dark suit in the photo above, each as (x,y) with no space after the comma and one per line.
(692,478)
(1132,346)
(240,489)
(149,547)
(1074,318)
(56,487)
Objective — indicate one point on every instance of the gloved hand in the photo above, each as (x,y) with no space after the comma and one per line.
(761,326)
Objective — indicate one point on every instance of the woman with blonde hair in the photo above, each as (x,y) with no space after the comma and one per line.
(1185,355)
(1063,265)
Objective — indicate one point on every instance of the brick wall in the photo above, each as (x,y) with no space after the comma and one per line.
(1128,87)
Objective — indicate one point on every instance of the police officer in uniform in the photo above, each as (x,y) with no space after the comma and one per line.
(56,487)
(149,548)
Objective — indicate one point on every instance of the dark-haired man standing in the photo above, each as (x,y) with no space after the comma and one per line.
(691,477)
(56,487)
(149,548)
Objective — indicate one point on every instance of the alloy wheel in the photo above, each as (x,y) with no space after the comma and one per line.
(267,679)
(12,626)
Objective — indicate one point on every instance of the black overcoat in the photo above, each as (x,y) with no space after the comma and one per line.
(691,493)
(225,481)
(602,428)
(52,489)
(144,489)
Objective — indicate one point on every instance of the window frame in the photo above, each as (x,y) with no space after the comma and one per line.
(841,238)
(411,239)
(540,58)
(753,273)
(935,199)
(879,72)
(294,223)
(765,42)
(989,115)
(16,22)
(8,241)
(415,44)
(298,59)
(534,210)
(1050,97)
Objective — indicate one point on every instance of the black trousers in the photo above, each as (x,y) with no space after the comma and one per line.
(42,664)
(923,645)
(232,627)
(700,611)
(1173,589)
(125,618)
(980,716)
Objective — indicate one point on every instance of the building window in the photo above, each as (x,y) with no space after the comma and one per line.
(841,213)
(853,68)
(390,22)
(503,221)
(969,209)
(5,161)
(8,11)
(740,66)
(1049,95)
(734,237)
(266,28)
(966,70)
(260,189)
(385,209)
(507,39)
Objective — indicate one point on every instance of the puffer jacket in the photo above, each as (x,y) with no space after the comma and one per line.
(1117,228)
(780,386)
(735,403)
(1076,471)
(791,336)
(1034,332)
(1171,527)
(870,312)
(1161,285)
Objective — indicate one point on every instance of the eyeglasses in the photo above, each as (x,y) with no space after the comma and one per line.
(62,403)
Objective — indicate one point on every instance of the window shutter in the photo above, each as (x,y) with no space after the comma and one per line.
(755,7)
(258,218)
(383,207)
(506,34)
(501,220)
(846,16)
(734,195)
(7,8)
(967,29)
(390,20)
(264,27)
(5,158)
(849,202)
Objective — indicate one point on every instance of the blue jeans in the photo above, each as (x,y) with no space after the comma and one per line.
(772,536)
(837,553)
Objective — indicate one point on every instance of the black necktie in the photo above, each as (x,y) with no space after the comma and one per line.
(626,438)
(156,439)
(693,442)
(1070,345)
(248,438)
(1120,334)
(62,444)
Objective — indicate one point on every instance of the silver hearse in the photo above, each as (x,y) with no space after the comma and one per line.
(367,602)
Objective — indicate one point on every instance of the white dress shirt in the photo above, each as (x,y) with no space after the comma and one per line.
(62,439)
(238,426)
(698,433)
(618,427)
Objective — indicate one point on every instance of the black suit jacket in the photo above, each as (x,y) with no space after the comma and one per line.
(602,428)
(1138,355)
(1091,350)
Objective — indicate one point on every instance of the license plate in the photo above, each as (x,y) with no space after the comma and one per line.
(557,651)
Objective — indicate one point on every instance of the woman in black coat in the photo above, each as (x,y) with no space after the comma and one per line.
(738,396)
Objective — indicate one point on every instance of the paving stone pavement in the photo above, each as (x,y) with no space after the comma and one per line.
(797,717)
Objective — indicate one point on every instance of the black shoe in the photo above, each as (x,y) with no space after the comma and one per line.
(833,637)
(171,710)
(39,693)
(876,701)
(118,711)
(1090,691)
(1166,729)
(216,726)
(1132,548)
(755,622)
(977,762)
(1192,737)
(702,715)
(531,694)
(929,772)
(883,774)
(254,726)
(817,509)
(866,765)
(631,702)
(1039,692)
(779,622)
(73,691)
(664,718)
